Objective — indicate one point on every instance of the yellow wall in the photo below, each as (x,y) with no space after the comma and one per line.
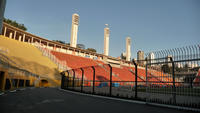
(26,56)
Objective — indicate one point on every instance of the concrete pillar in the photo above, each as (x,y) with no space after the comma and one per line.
(32,39)
(54,47)
(15,34)
(24,37)
(10,35)
(5,29)
(61,49)
(24,85)
(66,50)
(47,44)
(73,52)
(128,49)
(20,37)
(74,30)
(106,40)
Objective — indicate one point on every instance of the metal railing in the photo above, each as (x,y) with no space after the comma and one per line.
(46,52)
(179,68)
(95,80)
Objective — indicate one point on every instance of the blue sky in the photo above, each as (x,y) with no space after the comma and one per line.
(151,24)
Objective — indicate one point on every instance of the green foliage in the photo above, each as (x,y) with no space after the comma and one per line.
(59,41)
(91,49)
(165,68)
(186,66)
(123,57)
(81,46)
(15,24)
(67,44)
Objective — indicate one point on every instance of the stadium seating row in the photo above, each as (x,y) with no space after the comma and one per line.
(123,73)
(197,79)
(74,61)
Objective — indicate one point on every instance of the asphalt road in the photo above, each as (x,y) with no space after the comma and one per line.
(53,100)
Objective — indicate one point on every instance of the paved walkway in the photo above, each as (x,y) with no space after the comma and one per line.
(53,100)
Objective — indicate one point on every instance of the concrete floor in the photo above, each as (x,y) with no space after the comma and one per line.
(53,100)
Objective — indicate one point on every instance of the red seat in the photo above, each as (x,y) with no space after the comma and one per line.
(74,61)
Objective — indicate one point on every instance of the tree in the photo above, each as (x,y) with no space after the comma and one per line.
(123,56)
(186,65)
(165,68)
(15,24)
(91,49)
(59,41)
(133,60)
(67,44)
(81,46)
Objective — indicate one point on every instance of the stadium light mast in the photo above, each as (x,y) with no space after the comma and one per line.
(74,30)
(2,10)
(128,49)
(106,40)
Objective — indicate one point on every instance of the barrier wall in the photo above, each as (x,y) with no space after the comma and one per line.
(11,79)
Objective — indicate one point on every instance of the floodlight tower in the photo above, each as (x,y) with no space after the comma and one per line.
(74,30)
(2,10)
(128,49)
(106,40)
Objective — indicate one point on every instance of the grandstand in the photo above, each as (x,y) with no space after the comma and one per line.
(27,56)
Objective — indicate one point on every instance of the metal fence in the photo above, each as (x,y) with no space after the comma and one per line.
(169,77)
(173,76)
(100,79)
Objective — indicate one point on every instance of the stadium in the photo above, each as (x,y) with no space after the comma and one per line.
(168,78)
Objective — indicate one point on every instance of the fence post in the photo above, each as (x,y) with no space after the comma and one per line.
(110,79)
(135,78)
(93,79)
(174,86)
(62,80)
(82,79)
(146,69)
(73,78)
(67,79)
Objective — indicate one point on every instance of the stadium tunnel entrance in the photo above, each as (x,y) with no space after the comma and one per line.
(2,74)
(44,83)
